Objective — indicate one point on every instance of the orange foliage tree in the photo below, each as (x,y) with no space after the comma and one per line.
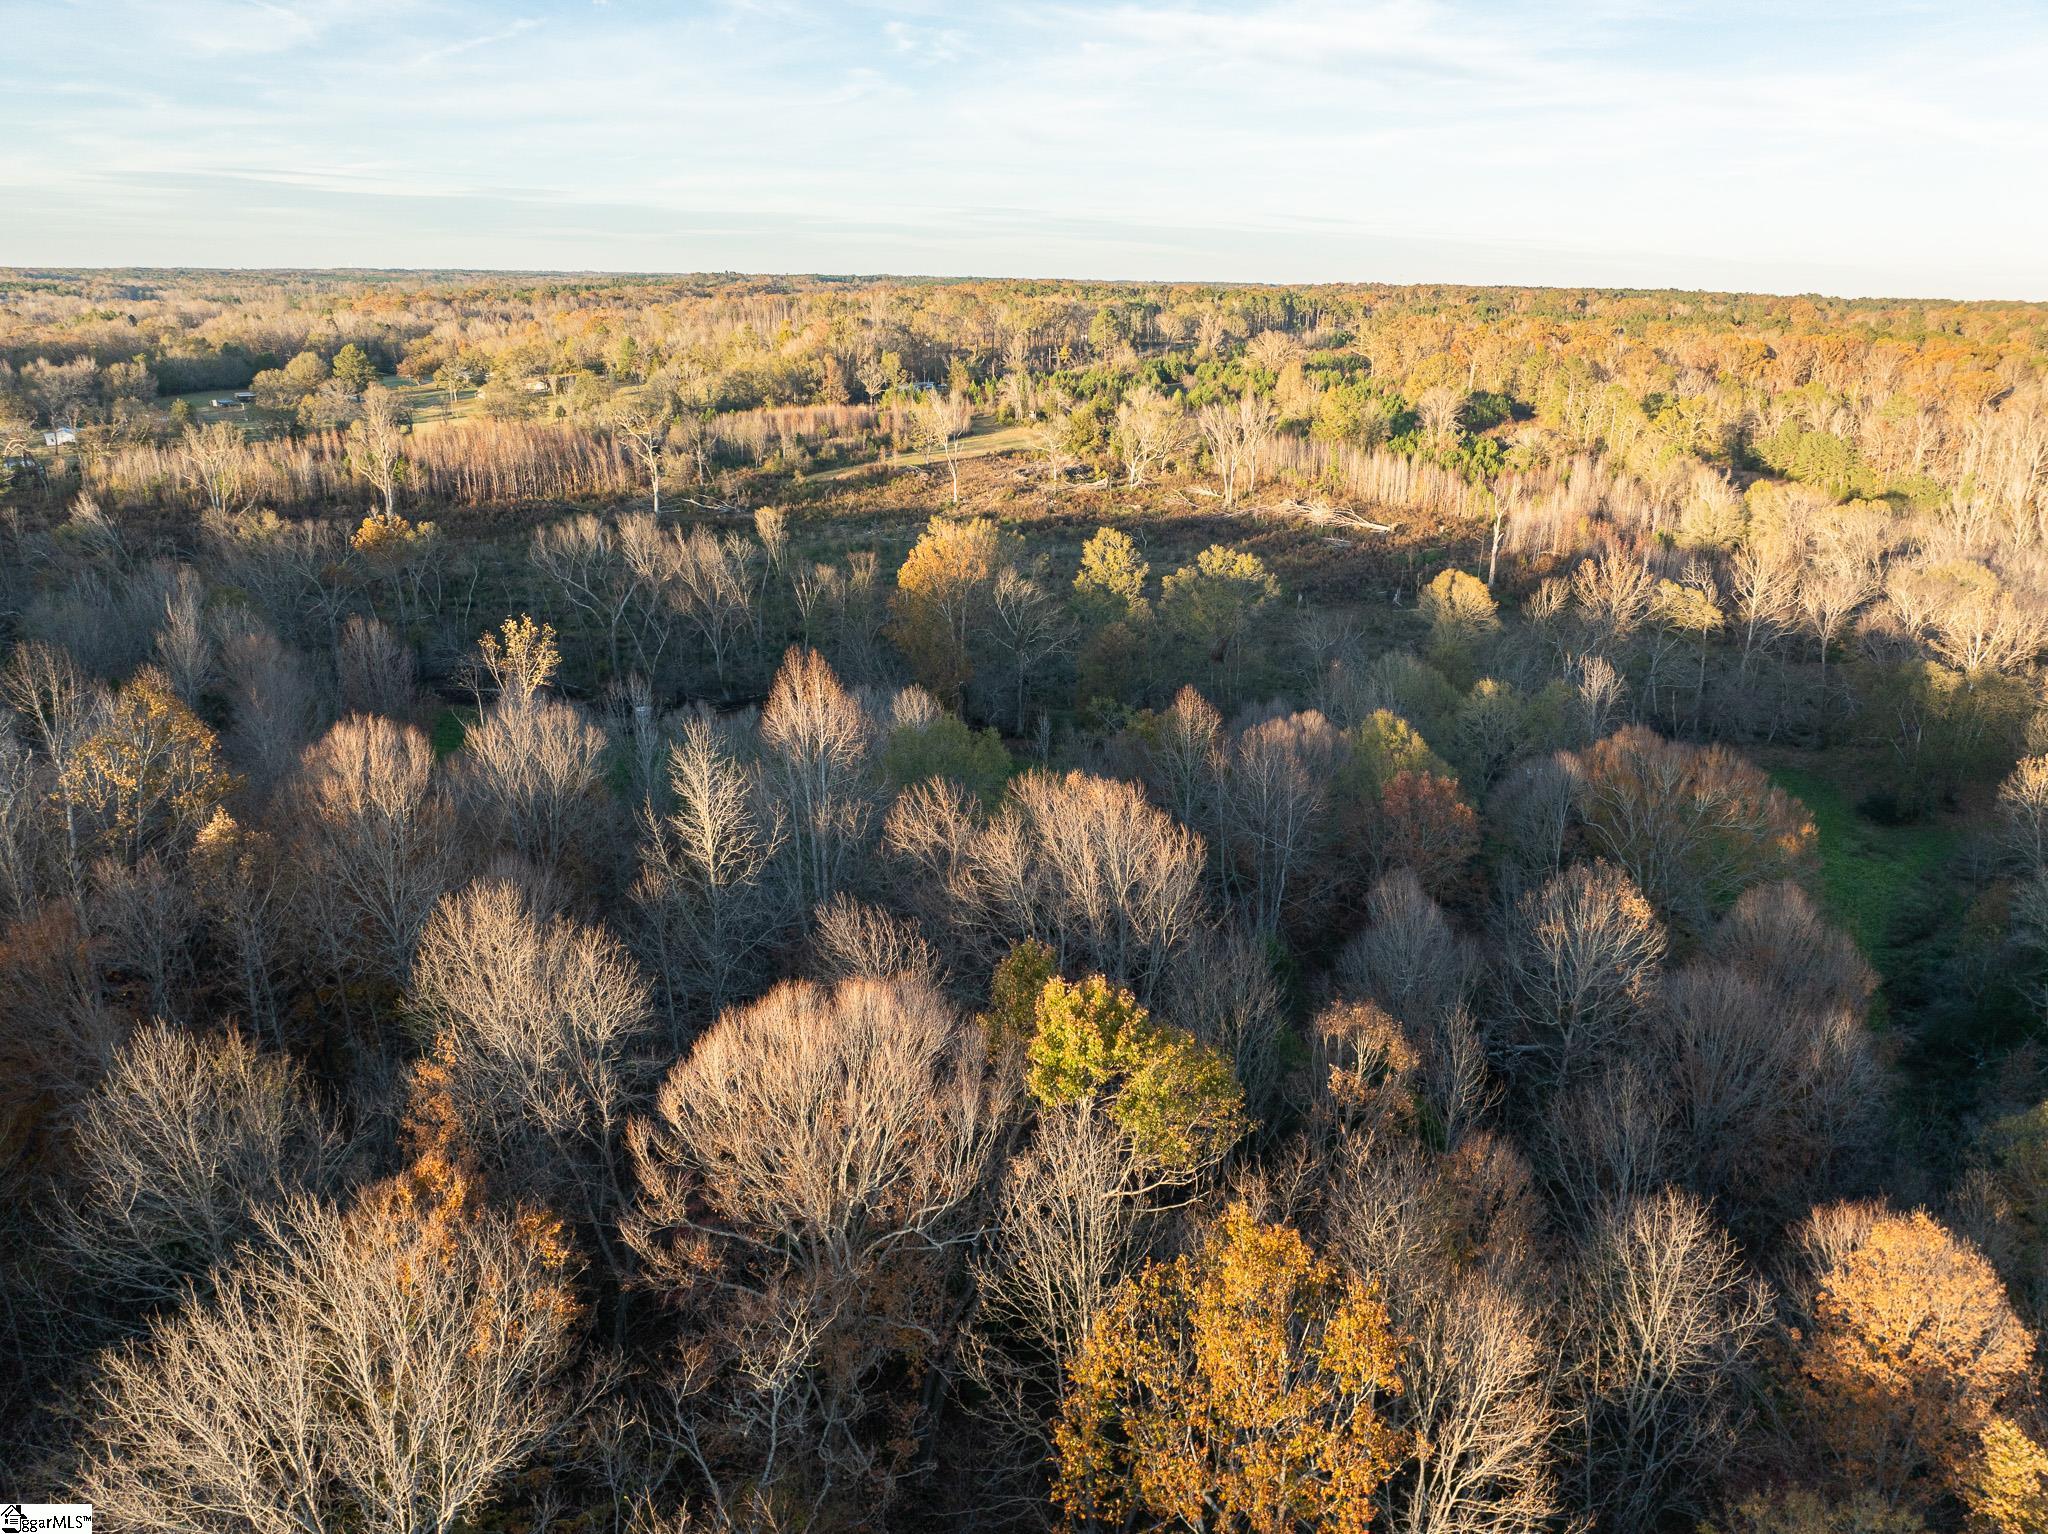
(1913,1346)
(1241,1387)
(1422,822)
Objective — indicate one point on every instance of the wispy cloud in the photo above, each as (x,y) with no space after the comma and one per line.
(1776,143)
(448,51)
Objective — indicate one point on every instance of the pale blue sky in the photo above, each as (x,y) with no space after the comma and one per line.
(1850,148)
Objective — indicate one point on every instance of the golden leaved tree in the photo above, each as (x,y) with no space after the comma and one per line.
(1241,1387)
(1913,1348)
(942,593)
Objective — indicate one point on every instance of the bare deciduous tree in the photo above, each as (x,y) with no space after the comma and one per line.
(818,739)
(645,421)
(143,919)
(936,424)
(539,1025)
(375,670)
(1606,1140)
(1772,1099)
(184,648)
(1071,1223)
(1184,760)
(1581,959)
(246,886)
(852,940)
(1223,991)
(1151,430)
(586,562)
(1081,863)
(359,1377)
(1029,628)
(1612,595)
(1663,1320)
(709,583)
(806,1186)
(1693,825)
(1408,959)
(532,778)
(277,708)
(1276,793)
(1774,935)
(713,910)
(1532,810)
(1477,1373)
(2023,812)
(376,445)
(176,1154)
(211,459)
(377,837)
(24,829)
(1239,435)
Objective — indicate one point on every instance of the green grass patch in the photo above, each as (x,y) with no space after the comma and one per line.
(1876,880)
(447,733)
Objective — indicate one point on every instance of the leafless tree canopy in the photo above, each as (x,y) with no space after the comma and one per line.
(645,904)
(539,1027)
(344,1380)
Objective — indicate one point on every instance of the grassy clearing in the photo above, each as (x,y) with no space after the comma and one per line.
(984,439)
(449,727)
(1884,884)
(429,405)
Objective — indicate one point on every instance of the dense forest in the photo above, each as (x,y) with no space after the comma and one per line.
(768,904)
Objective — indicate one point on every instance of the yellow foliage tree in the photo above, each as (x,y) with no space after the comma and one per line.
(1111,580)
(521,658)
(151,770)
(1215,600)
(1461,612)
(2005,1483)
(942,589)
(1013,992)
(1913,1347)
(1238,1388)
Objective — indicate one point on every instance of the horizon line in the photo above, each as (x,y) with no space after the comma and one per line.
(29,269)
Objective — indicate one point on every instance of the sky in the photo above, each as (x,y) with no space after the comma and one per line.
(1773,145)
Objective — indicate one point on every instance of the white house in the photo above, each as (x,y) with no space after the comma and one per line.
(60,436)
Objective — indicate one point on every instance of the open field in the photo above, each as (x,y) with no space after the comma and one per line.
(989,437)
(428,405)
